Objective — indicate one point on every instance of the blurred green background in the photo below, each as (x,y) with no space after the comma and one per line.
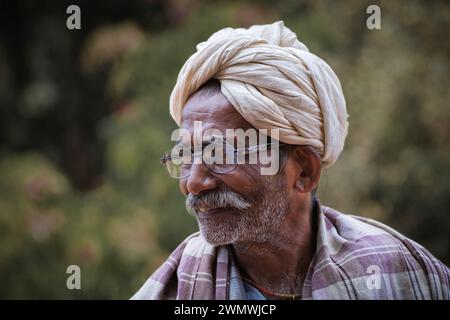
(84,120)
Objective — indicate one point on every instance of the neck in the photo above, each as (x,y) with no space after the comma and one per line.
(280,263)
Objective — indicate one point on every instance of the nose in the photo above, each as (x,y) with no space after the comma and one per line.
(200,180)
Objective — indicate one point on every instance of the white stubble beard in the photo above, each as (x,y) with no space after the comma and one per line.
(260,223)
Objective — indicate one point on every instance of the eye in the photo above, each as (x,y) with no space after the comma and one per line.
(177,152)
(180,153)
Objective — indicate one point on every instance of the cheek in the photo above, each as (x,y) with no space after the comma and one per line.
(244,179)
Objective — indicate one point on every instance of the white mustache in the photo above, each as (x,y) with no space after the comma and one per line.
(214,200)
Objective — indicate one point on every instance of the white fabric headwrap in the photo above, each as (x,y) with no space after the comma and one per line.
(273,81)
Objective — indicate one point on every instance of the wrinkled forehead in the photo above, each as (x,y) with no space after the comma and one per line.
(214,112)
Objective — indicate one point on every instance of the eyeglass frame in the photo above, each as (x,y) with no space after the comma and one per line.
(167,157)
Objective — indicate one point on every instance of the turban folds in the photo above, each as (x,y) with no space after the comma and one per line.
(273,81)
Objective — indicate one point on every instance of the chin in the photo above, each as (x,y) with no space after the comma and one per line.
(217,236)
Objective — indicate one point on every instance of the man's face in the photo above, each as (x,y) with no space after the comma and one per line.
(241,205)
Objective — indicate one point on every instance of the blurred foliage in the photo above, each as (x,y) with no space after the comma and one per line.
(84,120)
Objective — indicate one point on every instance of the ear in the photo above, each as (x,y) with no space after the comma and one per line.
(309,167)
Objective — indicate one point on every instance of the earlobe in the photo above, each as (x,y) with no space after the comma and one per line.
(310,167)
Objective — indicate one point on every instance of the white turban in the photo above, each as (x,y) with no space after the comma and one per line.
(273,81)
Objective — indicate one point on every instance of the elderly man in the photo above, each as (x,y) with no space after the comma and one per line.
(268,236)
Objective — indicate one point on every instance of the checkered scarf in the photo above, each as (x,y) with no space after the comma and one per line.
(349,249)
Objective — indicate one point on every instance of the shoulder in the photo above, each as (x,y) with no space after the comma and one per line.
(343,233)
(358,247)
(361,231)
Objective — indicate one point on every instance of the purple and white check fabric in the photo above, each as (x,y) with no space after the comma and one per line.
(347,247)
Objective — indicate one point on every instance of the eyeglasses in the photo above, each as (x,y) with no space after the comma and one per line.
(220,157)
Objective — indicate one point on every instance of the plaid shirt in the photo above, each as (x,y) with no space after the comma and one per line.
(355,258)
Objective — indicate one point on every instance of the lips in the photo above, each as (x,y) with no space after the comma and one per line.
(204,208)
(203,211)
